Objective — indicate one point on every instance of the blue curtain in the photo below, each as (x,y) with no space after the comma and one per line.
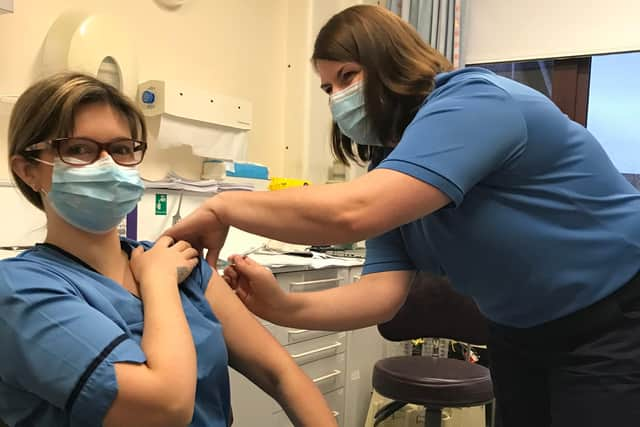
(437,21)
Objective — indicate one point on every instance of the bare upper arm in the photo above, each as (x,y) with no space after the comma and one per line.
(253,351)
(384,199)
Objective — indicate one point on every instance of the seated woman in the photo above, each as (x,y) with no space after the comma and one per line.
(100,330)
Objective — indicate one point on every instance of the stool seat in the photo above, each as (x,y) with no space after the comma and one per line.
(433,382)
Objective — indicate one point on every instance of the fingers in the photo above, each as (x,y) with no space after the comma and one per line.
(193,262)
(191,253)
(230,275)
(239,259)
(231,272)
(137,251)
(181,245)
(242,294)
(164,241)
(246,265)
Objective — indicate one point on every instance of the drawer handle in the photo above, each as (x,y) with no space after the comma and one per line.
(316,282)
(335,414)
(317,350)
(334,374)
(298,331)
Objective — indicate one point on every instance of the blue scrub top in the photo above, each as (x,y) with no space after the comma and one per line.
(541,223)
(63,326)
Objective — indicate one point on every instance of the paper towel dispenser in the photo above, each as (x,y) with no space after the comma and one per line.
(99,45)
(157,97)
(215,126)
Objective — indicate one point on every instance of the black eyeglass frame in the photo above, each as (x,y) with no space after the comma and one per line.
(104,146)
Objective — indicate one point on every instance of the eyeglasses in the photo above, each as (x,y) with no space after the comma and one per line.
(84,151)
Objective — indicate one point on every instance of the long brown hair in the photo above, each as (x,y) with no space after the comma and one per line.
(47,110)
(399,70)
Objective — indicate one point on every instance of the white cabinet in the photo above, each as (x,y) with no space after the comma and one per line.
(364,348)
(6,6)
(339,363)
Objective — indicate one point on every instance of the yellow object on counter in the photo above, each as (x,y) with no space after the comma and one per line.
(282,183)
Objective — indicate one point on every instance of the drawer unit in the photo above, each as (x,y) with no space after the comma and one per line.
(326,357)
(306,281)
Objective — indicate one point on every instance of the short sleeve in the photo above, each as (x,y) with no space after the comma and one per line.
(56,346)
(386,253)
(463,134)
(202,274)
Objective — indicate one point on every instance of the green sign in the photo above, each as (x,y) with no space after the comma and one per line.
(161,204)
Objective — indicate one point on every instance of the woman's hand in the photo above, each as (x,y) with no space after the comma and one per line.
(164,259)
(257,287)
(203,230)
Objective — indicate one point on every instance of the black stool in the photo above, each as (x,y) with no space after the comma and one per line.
(433,309)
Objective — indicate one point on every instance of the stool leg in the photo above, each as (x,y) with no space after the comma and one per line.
(433,418)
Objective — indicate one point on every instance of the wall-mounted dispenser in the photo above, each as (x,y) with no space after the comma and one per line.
(215,126)
(98,45)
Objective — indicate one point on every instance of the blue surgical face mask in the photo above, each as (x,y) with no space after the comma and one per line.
(96,197)
(347,108)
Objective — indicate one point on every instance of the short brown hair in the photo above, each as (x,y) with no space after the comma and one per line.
(47,110)
(399,71)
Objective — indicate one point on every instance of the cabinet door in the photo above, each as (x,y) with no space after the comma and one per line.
(328,373)
(250,405)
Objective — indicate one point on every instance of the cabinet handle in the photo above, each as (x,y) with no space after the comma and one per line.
(297,331)
(317,350)
(335,414)
(334,374)
(316,282)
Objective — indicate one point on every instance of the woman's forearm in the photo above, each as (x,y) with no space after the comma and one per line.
(302,401)
(167,341)
(372,300)
(327,214)
(293,215)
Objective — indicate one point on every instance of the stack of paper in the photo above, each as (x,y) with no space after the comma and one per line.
(174,181)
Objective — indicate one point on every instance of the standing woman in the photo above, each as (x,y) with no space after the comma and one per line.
(477,177)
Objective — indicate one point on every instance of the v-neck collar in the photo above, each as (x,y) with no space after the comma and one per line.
(124,245)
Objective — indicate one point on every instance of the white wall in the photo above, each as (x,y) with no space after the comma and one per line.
(499,30)
(235,47)
(308,118)
(254,49)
